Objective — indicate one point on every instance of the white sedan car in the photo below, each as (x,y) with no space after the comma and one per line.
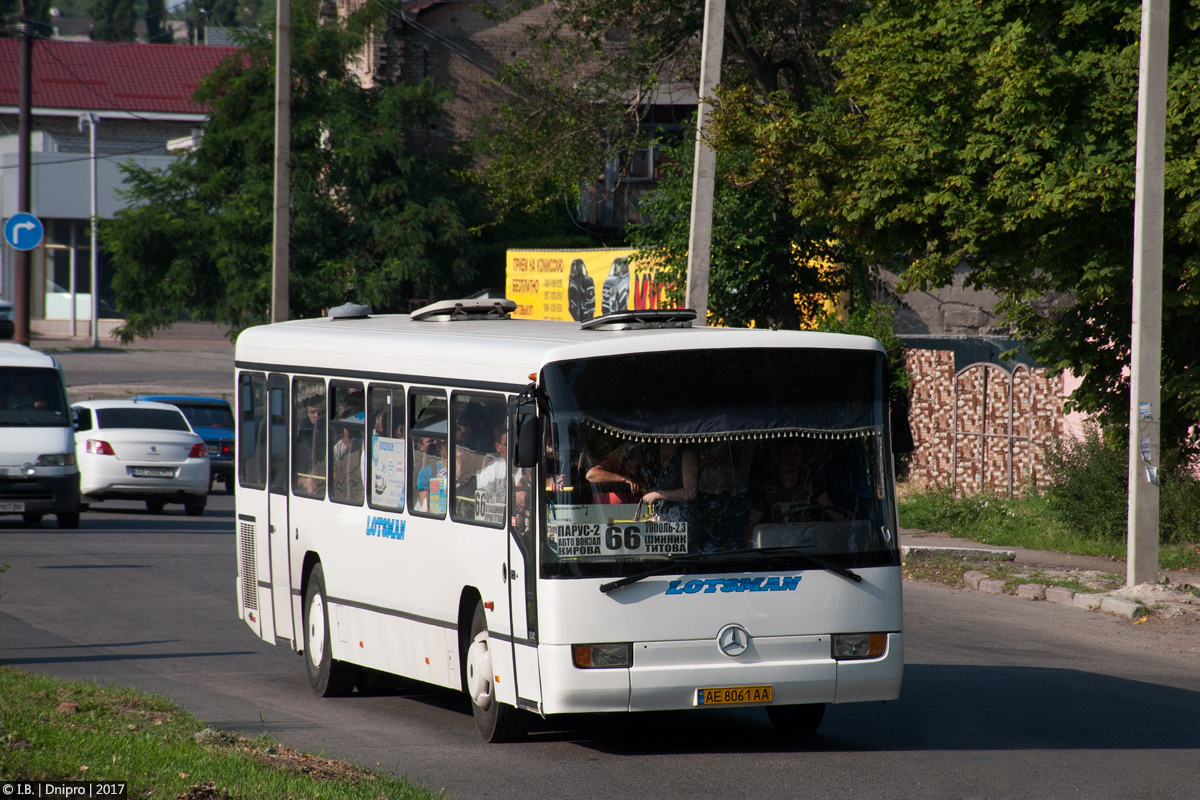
(132,450)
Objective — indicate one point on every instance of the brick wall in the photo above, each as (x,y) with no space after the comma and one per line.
(965,436)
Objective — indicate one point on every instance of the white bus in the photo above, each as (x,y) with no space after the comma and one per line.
(629,515)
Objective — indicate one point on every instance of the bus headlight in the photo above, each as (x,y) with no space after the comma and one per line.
(602,656)
(859,645)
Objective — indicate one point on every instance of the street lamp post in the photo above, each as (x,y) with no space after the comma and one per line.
(90,120)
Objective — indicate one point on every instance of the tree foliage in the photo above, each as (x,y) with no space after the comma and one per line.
(113,21)
(767,267)
(574,102)
(1002,135)
(374,219)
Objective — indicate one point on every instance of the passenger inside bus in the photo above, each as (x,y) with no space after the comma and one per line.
(678,476)
(310,447)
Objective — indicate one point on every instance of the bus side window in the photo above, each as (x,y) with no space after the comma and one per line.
(385,409)
(252,431)
(428,434)
(479,459)
(308,437)
(347,423)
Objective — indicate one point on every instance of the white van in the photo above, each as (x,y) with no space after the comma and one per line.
(38,473)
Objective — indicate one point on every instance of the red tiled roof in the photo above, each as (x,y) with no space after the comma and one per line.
(93,76)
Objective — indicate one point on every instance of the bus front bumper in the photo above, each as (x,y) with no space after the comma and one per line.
(667,675)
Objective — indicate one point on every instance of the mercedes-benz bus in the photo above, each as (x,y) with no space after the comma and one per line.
(631,514)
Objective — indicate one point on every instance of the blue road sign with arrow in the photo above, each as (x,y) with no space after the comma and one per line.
(24,231)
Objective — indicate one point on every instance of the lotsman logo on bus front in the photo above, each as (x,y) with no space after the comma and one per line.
(385,528)
(772,583)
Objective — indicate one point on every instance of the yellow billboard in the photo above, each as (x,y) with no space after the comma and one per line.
(579,284)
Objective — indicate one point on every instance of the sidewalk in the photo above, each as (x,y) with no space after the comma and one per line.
(1170,598)
(180,336)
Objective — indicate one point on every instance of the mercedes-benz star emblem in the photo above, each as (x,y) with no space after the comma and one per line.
(733,640)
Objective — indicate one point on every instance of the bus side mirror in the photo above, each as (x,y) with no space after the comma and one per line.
(527,441)
(902,438)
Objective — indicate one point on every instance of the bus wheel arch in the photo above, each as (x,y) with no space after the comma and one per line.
(495,721)
(327,676)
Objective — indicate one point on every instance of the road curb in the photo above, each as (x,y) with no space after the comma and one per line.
(958,552)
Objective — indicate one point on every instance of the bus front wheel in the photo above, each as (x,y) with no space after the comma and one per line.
(801,720)
(327,676)
(496,722)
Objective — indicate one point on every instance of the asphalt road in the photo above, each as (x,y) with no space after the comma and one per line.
(1001,698)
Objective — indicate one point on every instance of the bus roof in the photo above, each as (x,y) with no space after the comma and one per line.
(494,351)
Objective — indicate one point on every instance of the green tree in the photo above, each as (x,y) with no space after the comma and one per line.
(575,101)
(156,22)
(1001,135)
(113,21)
(36,11)
(767,267)
(374,219)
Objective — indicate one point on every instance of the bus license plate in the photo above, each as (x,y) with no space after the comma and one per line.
(152,472)
(733,695)
(13,506)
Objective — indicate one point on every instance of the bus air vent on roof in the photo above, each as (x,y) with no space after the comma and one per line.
(349,311)
(639,320)
(462,310)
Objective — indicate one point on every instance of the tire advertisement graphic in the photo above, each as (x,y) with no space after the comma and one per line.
(581,292)
(614,295)
(580,284)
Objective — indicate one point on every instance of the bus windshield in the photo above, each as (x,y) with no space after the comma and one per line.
(760,458)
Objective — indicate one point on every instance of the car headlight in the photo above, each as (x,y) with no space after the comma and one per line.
(56,460)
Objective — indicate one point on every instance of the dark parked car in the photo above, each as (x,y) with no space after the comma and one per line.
(212,419)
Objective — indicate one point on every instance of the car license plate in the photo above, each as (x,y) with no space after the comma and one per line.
(733,695)
(17,505)
(152,472)
(212,449)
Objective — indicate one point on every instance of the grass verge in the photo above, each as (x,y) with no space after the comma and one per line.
(1022,522)
(55,730)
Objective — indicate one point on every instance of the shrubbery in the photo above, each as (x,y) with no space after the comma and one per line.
(1089,492)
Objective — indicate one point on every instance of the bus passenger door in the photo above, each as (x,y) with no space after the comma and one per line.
(522,572)
(277,514)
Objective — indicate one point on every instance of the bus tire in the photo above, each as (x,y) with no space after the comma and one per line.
(328,677)
(800,720)
(495,721)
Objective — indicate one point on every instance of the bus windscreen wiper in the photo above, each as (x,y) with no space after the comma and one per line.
(734,555)
(816,561)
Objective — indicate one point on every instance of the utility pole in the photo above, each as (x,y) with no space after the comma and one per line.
(1146,351)
(91,120)
(24,176)
(283,149)
(705,166)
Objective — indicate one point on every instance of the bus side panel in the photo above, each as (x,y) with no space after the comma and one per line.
(529,678)
(253,564)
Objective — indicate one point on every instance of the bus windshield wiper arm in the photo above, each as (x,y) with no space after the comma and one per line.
(667,566)
(816,561)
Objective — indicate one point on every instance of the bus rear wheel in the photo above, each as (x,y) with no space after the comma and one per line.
(327,676)
(802,720)
(495,721)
